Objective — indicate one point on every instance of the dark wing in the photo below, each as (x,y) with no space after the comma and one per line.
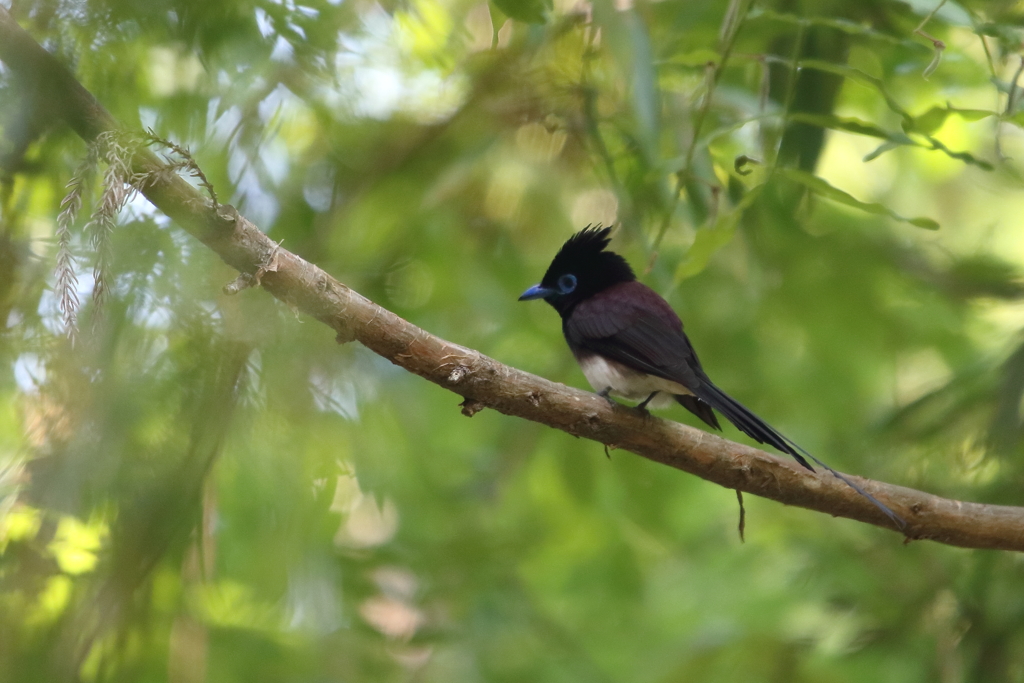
(631,324)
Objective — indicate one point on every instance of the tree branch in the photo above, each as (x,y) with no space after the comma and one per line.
(485,382)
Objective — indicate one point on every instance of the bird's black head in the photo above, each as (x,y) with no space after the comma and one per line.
(581,269)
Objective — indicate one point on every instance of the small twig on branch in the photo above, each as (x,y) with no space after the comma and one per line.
(742,527)
(471,407)
(486,383)
(246,280)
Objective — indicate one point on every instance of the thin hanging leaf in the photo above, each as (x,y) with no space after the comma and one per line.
(710,240)
(850,124)
(848,27)
(644,84)
(860,77)
(626,37)
(965,157)
(881,149)
(823,188)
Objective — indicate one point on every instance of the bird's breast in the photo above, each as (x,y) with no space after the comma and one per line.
(626,382)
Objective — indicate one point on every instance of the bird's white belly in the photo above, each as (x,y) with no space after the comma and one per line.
(629,383)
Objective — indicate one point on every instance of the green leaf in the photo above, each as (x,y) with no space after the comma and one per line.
(930,121)
(644,83)
(966,157)
(627,38)
(850,125)
(844,25)
(887,146)
(823,188)
(527,11)
(860,77)
(710,240)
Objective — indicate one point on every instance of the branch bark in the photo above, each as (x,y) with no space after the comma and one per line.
(486,383)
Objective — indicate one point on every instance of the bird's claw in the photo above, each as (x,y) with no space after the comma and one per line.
(643,404)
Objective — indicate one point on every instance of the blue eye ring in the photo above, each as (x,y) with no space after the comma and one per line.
(567,283)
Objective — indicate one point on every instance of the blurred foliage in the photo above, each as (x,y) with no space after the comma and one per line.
(209,488)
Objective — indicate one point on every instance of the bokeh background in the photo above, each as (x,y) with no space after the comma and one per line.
(206,487)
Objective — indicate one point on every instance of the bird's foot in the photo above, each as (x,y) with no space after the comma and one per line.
(604,394)
(642,407)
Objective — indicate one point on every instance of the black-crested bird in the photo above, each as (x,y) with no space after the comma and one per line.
(630,343)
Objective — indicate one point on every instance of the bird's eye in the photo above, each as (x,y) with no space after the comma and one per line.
(566,284)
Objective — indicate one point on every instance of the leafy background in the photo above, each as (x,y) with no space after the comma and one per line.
(207,487)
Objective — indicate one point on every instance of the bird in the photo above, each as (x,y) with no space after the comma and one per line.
(630,343)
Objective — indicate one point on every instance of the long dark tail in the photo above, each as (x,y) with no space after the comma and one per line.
(699,408)
(760,431)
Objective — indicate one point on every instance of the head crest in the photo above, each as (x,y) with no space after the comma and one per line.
(591,240)
(584,256)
